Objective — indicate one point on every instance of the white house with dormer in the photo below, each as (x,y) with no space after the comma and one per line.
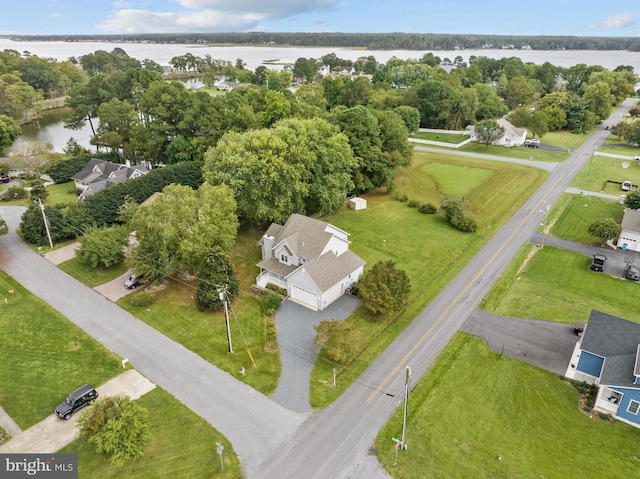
(310,259)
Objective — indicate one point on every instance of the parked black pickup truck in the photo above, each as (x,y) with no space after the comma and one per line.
(598,261)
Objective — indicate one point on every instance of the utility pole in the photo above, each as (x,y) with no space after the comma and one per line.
(403,445)
(546,217)
(223,298)
(46,223)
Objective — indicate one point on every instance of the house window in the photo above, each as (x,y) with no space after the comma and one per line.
(633,407)
(284,258)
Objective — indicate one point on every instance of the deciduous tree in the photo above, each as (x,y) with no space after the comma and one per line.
(384,289)
(118,427)
(488,131)
(341,340)
(605,229)
(102,246)
(9,132)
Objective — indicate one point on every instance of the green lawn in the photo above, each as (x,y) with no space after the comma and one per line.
(425,246)
(519,152)
(557,285)
(181,445)
(43,356)
(571,216)
(476,415)
(443,137)
(92,277)
(62,193)
(175,314)
(564,139)
(594,175)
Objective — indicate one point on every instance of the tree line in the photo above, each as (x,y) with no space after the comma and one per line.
(371,41)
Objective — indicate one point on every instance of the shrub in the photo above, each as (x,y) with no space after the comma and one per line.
(271,342)
(355,289)
(464,223)
(277,289)
(428,209)
(143,299)
(272,301)
(403,198)
(414,204)
(15,193)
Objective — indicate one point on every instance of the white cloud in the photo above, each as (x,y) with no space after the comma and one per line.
(208,15)
(262,8)
(55,15)
(621,20)
(142,21)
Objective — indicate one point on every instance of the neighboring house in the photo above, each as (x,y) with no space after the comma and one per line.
(607,355)
(231,85)
(311,259)
(630,235)
(512,136)
(98,175)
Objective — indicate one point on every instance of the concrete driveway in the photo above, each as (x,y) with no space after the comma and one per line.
(52,433)
(545,344)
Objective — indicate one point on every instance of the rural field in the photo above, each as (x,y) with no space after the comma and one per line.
(425,246)
(480,415)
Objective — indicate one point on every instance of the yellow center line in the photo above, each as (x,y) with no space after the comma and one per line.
(455,301)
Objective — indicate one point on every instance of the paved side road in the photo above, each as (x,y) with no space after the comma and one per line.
(545,344)
(52,434)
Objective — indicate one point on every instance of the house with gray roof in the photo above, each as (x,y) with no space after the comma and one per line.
(630,234)
(608,355)
(513,136)
(98,175)
(310,259)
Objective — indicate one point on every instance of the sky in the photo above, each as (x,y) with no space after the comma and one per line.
(611,18)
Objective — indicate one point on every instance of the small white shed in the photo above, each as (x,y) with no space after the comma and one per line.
(357,203)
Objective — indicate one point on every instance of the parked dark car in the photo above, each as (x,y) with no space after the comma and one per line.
(631,272)
(4,178)
(132,282)
(598,261)
(76,400)
(533,143)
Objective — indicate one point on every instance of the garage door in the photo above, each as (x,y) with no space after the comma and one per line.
(305,296)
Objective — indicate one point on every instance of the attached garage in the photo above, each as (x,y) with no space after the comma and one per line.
(304,296)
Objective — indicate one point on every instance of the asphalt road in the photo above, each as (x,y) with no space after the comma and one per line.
(271,441)
(331,441)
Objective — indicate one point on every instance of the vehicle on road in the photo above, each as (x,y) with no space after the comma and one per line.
(533,143)
(626,186)
(76,400)
(597,262)
(631,272)
(132,282)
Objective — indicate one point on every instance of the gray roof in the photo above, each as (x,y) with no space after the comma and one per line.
(305,236)
(328,269)
(275,266)
(102,174)
(631,220)
(616,340)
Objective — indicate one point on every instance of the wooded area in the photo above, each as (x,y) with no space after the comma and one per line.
(371,41)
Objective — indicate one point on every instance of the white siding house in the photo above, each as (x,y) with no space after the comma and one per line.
(630,235)
(310,259)
(512,136)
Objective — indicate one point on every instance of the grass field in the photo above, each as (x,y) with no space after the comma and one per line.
(476,415)
(599,169)
(571,216)
(425,246)
(62,193)
(443,137)
(43,356)
(519,152)
(557,285)
(92,277)
(181,445)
